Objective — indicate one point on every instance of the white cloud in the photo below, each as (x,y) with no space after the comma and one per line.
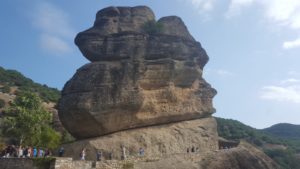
(283,13)
(224,73)
(290,80)
(293,73)
(203,5)
(236,6)
(54,44)
(291,44)
(219,72)
(56,34)
(287,91)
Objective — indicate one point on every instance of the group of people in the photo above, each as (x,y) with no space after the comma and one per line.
(32,152)
(26,151)
(99,154)
(192,149)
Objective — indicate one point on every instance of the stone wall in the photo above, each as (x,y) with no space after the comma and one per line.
(20,163)
(69,163)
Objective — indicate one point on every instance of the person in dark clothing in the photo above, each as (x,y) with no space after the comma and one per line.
(99,155)
(61,151)
(110,156)
(193,149)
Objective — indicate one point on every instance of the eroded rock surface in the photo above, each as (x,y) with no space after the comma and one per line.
(136,78)
(157,141)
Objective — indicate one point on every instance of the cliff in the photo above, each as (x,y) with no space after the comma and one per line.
(144,89)
(136,78)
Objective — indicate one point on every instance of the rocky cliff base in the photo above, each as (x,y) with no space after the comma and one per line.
(157,141)
(245,156)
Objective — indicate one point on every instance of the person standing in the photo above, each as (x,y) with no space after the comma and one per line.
(83,154)
(20,152)
(61,151)
(141,151)
(35,153)
(123,152)
(99,155)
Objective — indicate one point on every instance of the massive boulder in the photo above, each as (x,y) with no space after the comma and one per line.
(137,78)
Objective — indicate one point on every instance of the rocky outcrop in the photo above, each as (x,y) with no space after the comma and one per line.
(136,78)
(243,157)
(144,89)
(157,141)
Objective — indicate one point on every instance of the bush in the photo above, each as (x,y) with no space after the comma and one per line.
(2,103)
(5,89)
(152,27)
(285,158)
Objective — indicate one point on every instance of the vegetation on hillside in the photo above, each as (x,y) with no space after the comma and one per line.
(235,130)
(284,130)
(29,123)
(13,78)
(2,103)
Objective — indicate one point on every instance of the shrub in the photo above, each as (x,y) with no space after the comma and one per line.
(2,103)
(152,27)
(5,89)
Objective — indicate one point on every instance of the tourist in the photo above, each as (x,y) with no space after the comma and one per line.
(25,152)
(29,152)
(99,155)
(141,151)
(20,152)
(35,153)
(110,156)
(188,150)
(83,154)
(41,152)
(61,151)
(123,156)
(193,149)
(47,153)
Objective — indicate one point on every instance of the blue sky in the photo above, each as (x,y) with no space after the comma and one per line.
(253,45)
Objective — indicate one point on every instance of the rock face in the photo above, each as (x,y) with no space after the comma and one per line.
(144,89)
(137,78)
(243,157)
(157,141)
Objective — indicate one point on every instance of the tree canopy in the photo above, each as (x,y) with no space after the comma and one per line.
(29,123)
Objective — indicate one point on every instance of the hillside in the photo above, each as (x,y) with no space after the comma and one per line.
(12,82)
(284,130)
(284,150)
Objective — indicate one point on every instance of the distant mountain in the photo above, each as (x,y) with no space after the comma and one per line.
(12,82)
(284,130)
(280,146)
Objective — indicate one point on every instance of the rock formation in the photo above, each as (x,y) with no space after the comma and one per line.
(136,78)
(144,89)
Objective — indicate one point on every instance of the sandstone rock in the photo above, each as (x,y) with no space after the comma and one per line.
(135,79)
(157,141)
(243,157)
(145,90)
(173,25)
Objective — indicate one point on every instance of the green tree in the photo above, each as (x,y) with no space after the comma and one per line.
(29,123)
